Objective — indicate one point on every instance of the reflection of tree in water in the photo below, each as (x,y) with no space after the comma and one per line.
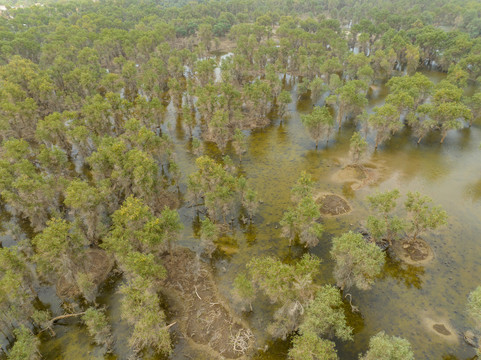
(402,272)
(250,232)
(354,319)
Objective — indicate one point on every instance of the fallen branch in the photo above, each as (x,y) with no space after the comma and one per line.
(196,293)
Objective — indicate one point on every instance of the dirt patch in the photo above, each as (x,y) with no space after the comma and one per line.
(415,253)
(333,205)
(97,264)
(357,175)
(203,316)
(440,327)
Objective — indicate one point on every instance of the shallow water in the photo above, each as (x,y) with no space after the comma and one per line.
(404,299)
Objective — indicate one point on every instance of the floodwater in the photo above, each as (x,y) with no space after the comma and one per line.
(405,301)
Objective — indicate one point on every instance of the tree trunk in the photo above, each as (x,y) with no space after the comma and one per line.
(339,117)
(444,137)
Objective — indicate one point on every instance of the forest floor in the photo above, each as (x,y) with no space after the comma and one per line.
(202,314)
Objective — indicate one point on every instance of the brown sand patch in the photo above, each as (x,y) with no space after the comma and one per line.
(333,205)
(358,175)
(204,317)
(414,253)
(441,327)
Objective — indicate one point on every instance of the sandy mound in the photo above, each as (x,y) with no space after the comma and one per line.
(203,316)
(333,205)
(357,175)
(442,328)
(414,253)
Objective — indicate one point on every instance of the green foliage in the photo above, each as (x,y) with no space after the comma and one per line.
(319,123)
(137,237)
(301,220)
(358,263)
(239,143)
(384,225)
(357,147)
(283,283)
(97,326)
(312,311)
(208,235)
(140,309)
(25,347)
(59,248)
(474,306)
(325,317)
(283,100)
(382,346)
(219,188)
(351,99)
(386,122)
(310,347)
(243,291)
(422,216)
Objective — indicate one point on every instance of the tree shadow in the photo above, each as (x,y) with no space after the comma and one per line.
(408,274)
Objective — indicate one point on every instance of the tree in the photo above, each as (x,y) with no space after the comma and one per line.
(250,202)
(385,121)
(382,346)
(317,87)
(189,119)
(135,229)
(323,318)
(351,99)
(422,216)
(239,143)
(358,262)
(16,290)
(318,123)
(60,250)
(300,220)
(209,233)
(88,203)
(31,193)
(141,310)
(218,187)
(25,347)
(474,104)
(243,292)
(448,109)
(474,311)
(310,347)
(384,225)
(219,131)
(357,148)
(282,101)
(474,306)
(98,326)
(313,311)
(205,34)
(421,123)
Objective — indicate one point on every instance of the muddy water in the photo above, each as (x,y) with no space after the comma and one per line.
(406,301)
